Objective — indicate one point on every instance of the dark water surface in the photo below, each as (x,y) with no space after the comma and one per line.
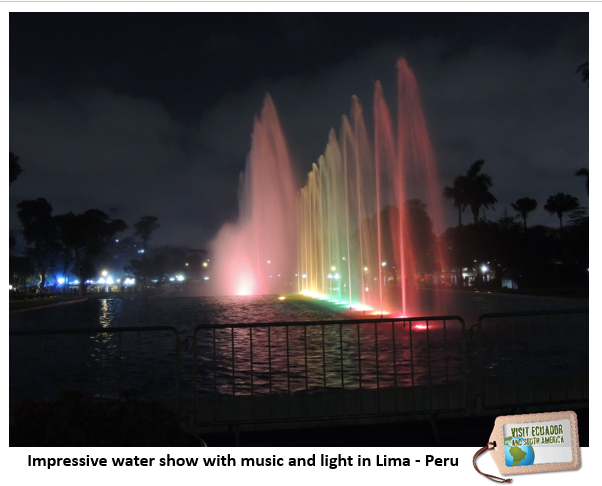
(265,360)
(185,313)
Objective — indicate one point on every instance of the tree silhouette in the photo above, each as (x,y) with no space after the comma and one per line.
(584,171)
(561,203)
(40,231)
(584,70)
(475,186)
(456,193)
(15,167)
(145,228)
(86,234)
(523,206)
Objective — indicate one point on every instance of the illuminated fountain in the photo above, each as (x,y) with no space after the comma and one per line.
(365,238)
(257,254)
(362,235)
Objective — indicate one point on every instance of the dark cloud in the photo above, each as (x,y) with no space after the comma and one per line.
(157,118)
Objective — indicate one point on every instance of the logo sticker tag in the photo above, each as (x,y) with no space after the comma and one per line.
(539,442)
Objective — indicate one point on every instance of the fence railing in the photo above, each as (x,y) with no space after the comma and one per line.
(305,371)
(335,369)
(111,362)
(534,358)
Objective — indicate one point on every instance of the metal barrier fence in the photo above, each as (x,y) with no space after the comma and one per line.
(108,362)
(246,373)
(280,372)
(534,358)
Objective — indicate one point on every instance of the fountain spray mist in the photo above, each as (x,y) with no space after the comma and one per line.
(258,253)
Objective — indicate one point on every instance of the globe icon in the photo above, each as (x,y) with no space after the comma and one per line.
(518,455)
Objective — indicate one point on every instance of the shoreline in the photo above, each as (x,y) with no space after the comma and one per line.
(18,306)
(555,293)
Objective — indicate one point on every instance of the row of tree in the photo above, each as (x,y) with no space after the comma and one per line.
(472,191)
(76,240)
(534,256)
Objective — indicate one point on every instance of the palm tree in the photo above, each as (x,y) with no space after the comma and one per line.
(561,203)
(523,206)
(584,171)
(456,193)
(476,189)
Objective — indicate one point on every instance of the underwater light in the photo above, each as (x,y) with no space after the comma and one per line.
(361,307)
(380,313)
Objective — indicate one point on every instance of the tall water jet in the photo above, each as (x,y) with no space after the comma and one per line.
(258,253)
(365,236)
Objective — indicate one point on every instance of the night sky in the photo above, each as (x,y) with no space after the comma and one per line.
(151,114)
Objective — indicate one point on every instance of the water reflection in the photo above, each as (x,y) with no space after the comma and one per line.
(310,357)
(264,360)
(109,309)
